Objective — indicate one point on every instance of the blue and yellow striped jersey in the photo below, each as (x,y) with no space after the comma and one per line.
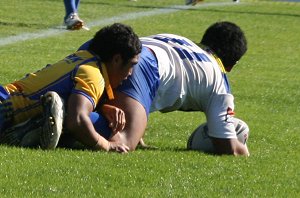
(78,73)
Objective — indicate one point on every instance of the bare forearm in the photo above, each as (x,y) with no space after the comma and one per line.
(83,130)
(80,125)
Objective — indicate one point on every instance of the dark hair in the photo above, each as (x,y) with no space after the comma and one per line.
(116,39)
(227,40)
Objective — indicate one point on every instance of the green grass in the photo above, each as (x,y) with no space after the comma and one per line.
(265,84)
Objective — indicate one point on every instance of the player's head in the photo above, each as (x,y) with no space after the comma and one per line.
(116,39)
(119,48)
(227,40)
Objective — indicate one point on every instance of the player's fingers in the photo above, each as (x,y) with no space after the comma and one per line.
(123,148)
(120,121)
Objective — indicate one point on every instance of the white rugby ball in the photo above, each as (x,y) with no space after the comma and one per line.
(200,140)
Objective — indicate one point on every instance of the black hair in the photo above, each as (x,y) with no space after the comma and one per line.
(227,40)
(116,39)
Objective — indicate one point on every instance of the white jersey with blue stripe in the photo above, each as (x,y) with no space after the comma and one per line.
(191,79)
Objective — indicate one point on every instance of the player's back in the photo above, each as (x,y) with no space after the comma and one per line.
(188,74)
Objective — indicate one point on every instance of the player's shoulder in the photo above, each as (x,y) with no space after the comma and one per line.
(90,69)
(87,64)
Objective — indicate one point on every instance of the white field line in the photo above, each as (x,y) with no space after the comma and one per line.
(120,18)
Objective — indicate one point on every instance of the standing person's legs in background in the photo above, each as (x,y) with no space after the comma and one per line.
(71,19)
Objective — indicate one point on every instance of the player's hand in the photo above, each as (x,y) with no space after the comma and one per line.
(115,117)
(118,147)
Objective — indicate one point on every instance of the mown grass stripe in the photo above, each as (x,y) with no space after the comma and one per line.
(123,17)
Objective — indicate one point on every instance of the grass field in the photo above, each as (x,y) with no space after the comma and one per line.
(265,84)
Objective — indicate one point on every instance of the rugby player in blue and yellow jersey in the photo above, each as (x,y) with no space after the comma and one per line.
(80,79)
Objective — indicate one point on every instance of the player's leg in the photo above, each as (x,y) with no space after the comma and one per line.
(29,131)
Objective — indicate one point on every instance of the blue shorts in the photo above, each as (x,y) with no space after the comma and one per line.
(100,124)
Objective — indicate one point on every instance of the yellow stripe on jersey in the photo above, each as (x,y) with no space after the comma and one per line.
(108,88)
(220,63)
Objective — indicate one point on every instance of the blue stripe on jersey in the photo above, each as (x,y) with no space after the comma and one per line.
(174,40)
(226,82)
(201,57)
(183,53)
(166,40)
(180,53)
(188,55)
(144,81)
(180,41)
(4,95)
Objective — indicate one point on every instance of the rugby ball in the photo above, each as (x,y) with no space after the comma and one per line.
(200,140)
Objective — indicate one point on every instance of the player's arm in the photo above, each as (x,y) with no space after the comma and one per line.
(136,120)
(219,118)
(229,146)
(79,124)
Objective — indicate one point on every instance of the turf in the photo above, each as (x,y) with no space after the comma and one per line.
(265,84)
